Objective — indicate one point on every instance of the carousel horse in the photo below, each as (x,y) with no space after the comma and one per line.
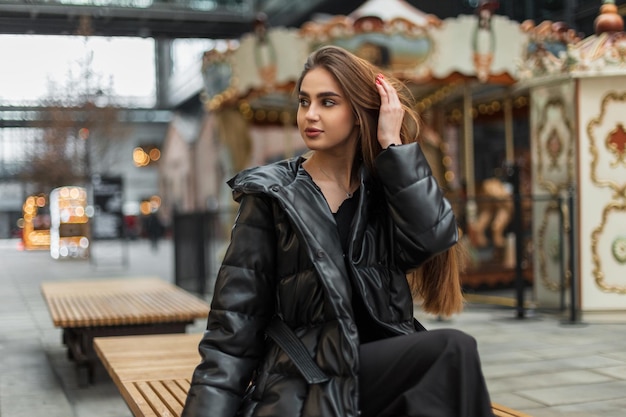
(495,211)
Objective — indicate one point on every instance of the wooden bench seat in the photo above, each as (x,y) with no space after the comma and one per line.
(112,307)
(153,372)
(502,411)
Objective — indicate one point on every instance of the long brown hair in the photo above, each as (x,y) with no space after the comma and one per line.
(435,283)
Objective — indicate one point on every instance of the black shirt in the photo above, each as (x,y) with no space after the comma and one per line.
(368,329)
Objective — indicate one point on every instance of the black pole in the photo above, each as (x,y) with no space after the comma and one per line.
(175,233)
(563,267)
(513,171)
(572,264)
(200,242)
(574,310)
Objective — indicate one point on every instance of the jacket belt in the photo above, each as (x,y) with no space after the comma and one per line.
(297,352)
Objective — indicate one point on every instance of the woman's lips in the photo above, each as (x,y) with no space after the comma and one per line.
(312,133)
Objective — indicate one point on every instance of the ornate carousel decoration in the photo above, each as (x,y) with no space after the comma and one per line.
(605,51)
(613,216)
(546,50)
(616,143)
(390,34)
(555,147)
(607,129)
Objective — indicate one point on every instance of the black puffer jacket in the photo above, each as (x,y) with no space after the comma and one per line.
(285,259)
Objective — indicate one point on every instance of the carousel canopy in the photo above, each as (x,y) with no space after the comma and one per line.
(482,48)
(390,10)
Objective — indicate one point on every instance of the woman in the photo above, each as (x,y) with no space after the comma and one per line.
(312,313)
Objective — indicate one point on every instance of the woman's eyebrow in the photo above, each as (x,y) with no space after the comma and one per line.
(320,95)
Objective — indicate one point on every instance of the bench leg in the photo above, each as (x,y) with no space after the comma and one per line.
(78,346)
(79,342)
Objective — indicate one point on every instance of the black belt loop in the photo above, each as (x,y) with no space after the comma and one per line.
(297,352)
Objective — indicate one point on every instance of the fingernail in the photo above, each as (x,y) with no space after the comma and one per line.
(377,80)
(381,76)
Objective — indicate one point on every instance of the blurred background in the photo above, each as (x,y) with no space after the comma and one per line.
(122,119)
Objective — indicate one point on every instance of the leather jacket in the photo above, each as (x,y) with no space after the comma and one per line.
(285,259)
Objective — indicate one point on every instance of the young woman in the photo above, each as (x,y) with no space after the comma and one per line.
(312,313)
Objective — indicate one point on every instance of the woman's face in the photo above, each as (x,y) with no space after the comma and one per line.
(325,118)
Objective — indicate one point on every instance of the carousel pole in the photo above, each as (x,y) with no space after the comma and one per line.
(514,176)
(468,140)
(508,130)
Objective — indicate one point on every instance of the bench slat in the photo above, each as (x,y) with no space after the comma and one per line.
(136,401)
(178,390)
(173,403)
(155,402)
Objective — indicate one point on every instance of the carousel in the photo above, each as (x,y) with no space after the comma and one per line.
(474,78)
(577,89)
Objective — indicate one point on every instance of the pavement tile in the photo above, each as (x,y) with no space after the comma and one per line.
(577,394)
(544,366)
(565,378)
(613,408)
(27,405)
(514,401)
(615,354)
(617,372)
(508,356)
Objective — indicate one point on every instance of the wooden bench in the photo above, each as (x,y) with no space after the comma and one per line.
(502,411)
(153,372)
(113,307)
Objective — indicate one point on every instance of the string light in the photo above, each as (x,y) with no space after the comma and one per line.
(455,116)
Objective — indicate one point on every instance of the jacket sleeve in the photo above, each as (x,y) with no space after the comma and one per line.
(241,307)
(424,223)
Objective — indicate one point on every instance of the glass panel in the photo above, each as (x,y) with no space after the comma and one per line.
(203,5)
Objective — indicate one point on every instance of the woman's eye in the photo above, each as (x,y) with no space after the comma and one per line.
(303,102)
(328,103)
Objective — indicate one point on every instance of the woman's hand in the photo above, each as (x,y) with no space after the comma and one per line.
(391,114)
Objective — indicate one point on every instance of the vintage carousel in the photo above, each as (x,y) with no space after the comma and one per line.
(577,89)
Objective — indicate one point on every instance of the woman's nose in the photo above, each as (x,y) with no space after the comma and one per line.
(312,113)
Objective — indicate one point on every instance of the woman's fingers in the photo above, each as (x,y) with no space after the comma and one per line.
(387,91)
(381,86)
(391,113)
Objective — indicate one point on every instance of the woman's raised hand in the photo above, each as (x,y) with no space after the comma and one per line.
(391,114)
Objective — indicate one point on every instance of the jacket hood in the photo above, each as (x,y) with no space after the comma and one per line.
(259,179)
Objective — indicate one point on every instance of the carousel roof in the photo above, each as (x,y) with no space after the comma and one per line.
(415,46)
(393,9)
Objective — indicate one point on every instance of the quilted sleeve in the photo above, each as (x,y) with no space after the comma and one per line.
(424,223)
(241,307)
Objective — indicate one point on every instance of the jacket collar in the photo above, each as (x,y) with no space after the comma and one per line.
(288,181)
(260,179)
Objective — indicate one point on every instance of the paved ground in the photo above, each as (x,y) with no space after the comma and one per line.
(538,365)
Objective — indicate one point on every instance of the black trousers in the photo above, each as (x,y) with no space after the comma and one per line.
(434,373)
